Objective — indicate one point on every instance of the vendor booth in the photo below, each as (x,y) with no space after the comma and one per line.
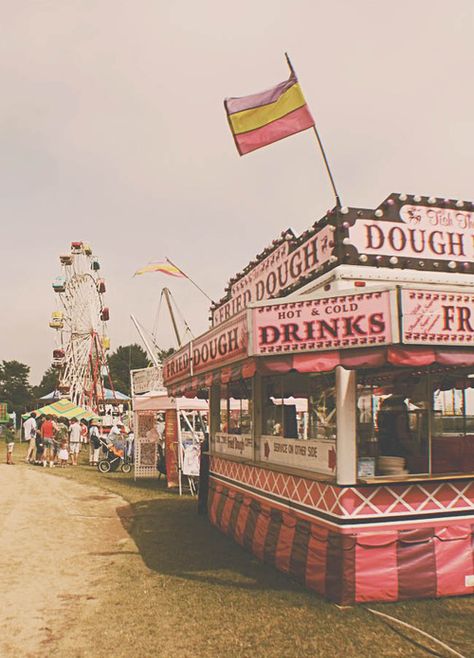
(349,462)
(170,430)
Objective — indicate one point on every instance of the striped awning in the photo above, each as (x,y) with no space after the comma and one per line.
(196,386)
(65,409)
(402,356)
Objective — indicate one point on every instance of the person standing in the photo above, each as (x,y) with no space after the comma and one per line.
(29,428)
(130,446)
(94,444)
(9,436)
(47,434)
(60,436)
(74,440)
(84,431)
(63,454)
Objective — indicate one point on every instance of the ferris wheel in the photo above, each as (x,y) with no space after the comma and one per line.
(80,326)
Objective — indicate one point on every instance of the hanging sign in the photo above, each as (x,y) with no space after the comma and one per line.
(345,321)
(437,318)
(146,379)
(287,265)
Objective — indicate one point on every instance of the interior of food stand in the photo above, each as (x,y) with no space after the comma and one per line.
(409,421)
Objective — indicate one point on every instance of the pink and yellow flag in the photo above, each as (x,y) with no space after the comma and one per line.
(164,268)
(264,118)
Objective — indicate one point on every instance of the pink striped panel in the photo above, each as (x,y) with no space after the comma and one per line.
(217,493)
(241,521)
(285,543)
(226,512)
(376,570)
(454,560)
(261,529)
(316,559)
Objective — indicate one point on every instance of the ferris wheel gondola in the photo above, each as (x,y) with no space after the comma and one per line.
(80,323)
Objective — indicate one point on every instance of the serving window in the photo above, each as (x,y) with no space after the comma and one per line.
(299,406)
(236,407)
(411,423)
(298,426)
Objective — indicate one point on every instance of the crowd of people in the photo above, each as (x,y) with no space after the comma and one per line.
(56,441)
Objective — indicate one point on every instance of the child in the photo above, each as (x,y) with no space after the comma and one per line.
(39,449)
(9,434)
(63,454)
(59,437)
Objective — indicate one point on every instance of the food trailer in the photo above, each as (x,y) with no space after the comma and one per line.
(349,464)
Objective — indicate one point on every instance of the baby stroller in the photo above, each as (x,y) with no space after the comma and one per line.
(113,456)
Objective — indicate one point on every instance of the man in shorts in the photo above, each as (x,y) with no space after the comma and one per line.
(9,436)
(74,440)
(29,429)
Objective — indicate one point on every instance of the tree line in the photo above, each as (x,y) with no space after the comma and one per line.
(21,396)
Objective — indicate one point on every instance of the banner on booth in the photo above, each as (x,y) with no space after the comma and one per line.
(437,318)
(346,321)
(421,232)
(237,445)
(171,447)
(178,365)
(288,264)
(220,346)
(313,455)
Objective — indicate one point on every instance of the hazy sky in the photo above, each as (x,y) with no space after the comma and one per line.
(113,132)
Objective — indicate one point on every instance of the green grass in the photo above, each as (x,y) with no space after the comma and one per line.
(193,592)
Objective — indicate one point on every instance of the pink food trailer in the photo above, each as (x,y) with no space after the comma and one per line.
(349,461)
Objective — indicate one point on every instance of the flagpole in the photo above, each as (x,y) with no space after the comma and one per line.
(188,277)
(338,201)
(328,169)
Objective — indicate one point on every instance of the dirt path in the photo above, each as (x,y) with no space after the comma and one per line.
(56,540)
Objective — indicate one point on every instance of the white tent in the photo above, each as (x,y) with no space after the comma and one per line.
(160,401)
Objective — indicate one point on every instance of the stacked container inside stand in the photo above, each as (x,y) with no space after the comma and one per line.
(391,466)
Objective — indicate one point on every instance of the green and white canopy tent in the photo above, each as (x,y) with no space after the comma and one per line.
(65,409)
